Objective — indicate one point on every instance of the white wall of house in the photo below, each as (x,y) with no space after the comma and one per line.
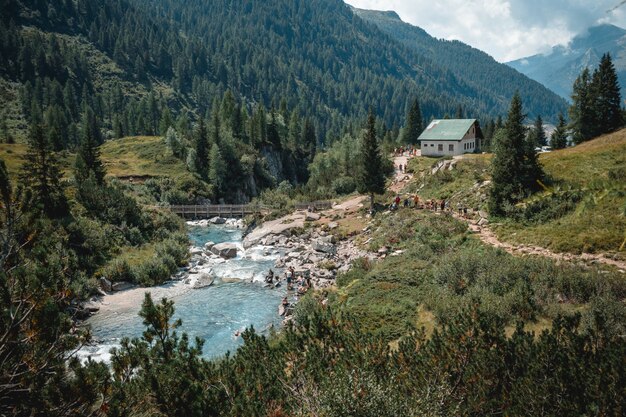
(448,147)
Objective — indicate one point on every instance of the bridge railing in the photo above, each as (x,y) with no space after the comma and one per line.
(317,205)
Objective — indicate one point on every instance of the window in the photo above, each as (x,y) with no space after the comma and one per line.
(440,148)
(425,145)
(432,144)
(451,148)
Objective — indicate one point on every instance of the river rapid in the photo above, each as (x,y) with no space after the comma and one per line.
(236,300)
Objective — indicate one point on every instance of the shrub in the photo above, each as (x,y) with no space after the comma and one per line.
(119,270)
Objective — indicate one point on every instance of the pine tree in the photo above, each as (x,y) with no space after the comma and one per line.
(41,175)
(309,141)
(88,163)
(514,168)
(371,175)
(537,134)
(606,98)
(559,136)
(581,111)
(414,126)
(201,149)
(217,170)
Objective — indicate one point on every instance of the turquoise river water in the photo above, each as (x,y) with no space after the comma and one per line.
(213,313)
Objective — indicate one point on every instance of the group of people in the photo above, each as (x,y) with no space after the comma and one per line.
(417,203)
(408,150)
(302,284)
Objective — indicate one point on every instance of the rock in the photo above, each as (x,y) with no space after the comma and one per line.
(483,222)
(91,307)
(217,220)
(208,246)
(196,251)
(483,214)
(324,247)
(311,217)
(105,284)
(225,250)
(327,239)
(383,251)
(332,225)
(122,286)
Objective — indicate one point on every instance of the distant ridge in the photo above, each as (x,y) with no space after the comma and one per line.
(558,69)
(472,66)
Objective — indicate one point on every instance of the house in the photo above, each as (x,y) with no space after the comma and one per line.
(451,137)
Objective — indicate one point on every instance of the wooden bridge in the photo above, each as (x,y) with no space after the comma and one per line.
(216,210)
(234,210)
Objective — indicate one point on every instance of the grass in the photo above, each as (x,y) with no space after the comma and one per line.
(140,156)
(443,269)
(598,224)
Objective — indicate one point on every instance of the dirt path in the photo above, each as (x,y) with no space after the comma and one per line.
(487,236)
(400,179)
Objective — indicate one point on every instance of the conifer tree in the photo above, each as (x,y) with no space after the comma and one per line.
(559,136)
(515,168)
(537,134)
(581,111)
(309,140)
(201,149)
(606,99)
(414,124)
(217,170)
(371,174)
(88,162)
(41,175)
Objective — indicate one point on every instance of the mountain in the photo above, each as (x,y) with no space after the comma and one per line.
(493,81)
(558,69)
(123,56)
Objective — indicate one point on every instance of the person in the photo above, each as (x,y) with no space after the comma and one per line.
(442,204)
(397,200)
(464,212)
(269,278)
(406,202)
(290,277)
(416,201)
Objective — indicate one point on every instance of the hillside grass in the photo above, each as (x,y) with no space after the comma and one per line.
(442,268)
(140,156)
(598,223)
(594,171)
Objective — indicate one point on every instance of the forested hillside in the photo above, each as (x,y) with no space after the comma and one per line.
(132,59)
(496,83)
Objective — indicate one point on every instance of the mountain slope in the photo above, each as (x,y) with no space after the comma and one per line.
(495,82)
(558,69)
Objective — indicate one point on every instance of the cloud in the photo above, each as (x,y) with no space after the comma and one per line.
(506,29)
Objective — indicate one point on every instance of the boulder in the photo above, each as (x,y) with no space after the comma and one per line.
(483,222)
(208,246)
(122,286)
(332,225)
(383,251)
(105,284)
(311,217)
(217,220)
(321,246)
(483,214)
(225,250)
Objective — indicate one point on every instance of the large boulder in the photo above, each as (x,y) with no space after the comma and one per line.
(122,286)
(311,217)
(208,246)
(217,220)
(321,246)
(225,250)
(105,284)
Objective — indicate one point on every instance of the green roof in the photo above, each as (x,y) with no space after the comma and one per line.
(447,129)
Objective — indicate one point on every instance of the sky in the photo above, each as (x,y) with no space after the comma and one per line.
(505,29)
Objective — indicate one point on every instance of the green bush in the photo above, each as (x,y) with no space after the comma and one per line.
(119,270)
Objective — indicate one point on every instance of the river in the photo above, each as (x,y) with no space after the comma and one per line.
(235,301)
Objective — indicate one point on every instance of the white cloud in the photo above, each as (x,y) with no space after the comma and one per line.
(506,29)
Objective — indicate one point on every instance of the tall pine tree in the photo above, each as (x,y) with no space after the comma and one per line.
(371,174)
(606,98)
(41,175)
(414,126)
(88,163)
(514,168)
(201,149)
(559,136)
(537,134)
